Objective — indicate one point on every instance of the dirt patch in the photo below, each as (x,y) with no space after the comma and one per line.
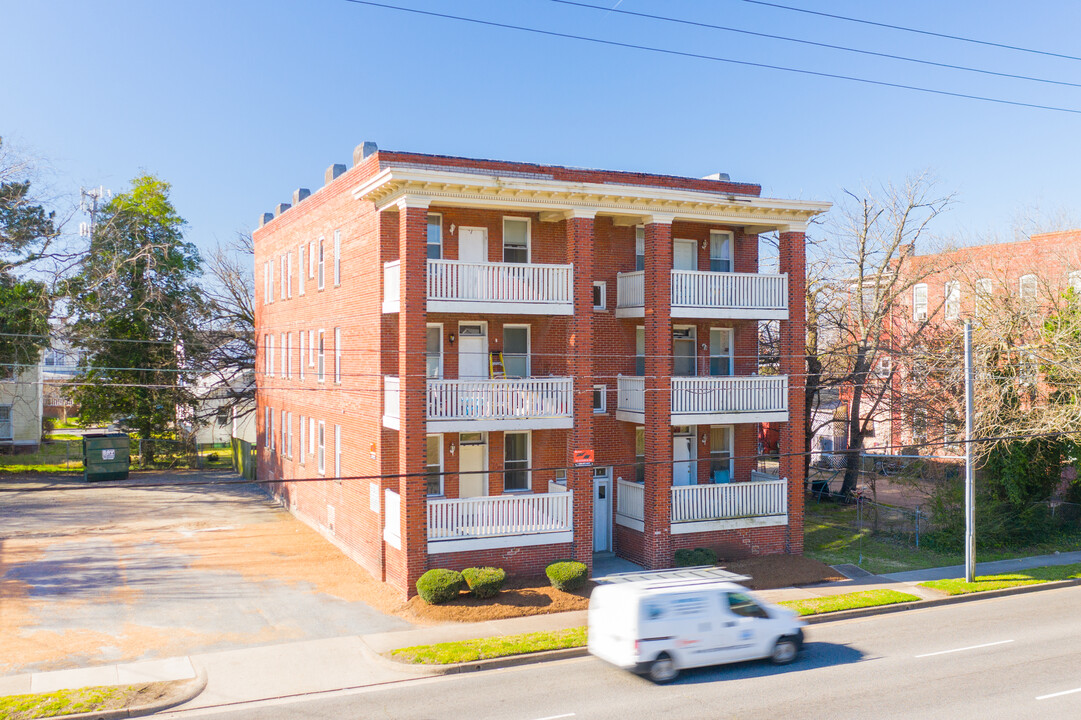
(768,572)
(94,699)
(519,597)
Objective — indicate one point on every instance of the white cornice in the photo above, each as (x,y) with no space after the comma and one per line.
(532,194)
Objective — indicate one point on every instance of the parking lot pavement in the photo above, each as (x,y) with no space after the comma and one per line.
(100,575)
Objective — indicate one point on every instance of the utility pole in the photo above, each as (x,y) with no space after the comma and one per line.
(88,203)
(970,470)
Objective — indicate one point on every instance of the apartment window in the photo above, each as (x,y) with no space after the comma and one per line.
(560,477)
(433,464)
(600,291)
(270,278)
(516,461)
(1028,287)
(300,269)
(320,370)
(983,296)
(301,439)
(266,283)
(285,358)
(953,300)
(268,428)
(272,435)
(720,251)
(515,240)
(919,426)
(311,259)
(684,353)
(338,451)
(285,284)
(516,350)
(1073,282)
(7,425)
(322,448)
(283,428)
(640,351)
(720,453)
(433,357)
(600,399)
(266,354)
(639,249)
(311,348)
(919,302)
(720,352)
(311,436)
(639,455)
(289,356)
(320,270)
(435,236)
(300,359)
(885,366)
(289,435)
(337,258)
(270,356)
(289,275)
(337,356)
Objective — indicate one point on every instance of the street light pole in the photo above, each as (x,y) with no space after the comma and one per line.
(970,470)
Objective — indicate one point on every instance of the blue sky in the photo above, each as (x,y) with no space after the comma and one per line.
(237,103)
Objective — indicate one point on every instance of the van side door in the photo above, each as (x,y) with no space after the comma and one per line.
(741,627)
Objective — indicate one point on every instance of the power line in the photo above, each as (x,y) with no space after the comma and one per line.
(913,30)
(818,44)
(714,58)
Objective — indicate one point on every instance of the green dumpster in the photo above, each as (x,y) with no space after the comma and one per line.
(106,456)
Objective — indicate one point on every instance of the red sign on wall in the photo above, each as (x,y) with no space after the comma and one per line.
(583,457)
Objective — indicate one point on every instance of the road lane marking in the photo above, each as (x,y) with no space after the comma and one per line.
(1055,695)
(556,717)
(970,647)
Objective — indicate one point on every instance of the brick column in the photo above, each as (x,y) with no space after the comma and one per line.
(412,315)
(579,234)
(793,364)
(658,400)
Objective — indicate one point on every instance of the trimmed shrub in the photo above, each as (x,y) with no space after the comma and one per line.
(706,556)
(440,585)
(686,557)
(567,574)
(484,582)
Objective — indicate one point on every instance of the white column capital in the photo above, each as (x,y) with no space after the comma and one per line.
(418,202)
(800,227)
(658,219)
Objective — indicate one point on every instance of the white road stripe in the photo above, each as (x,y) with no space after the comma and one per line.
(1054,695)
(970,647)
(556,717)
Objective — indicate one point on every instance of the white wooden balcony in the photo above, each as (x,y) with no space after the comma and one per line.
(704,294)
(710,400)
(631,504)
(481,405)
(696,508)
(516,288)
(511,520)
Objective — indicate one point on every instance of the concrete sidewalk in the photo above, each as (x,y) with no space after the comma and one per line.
(314,666)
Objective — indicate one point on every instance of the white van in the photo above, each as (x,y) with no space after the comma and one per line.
(659,627)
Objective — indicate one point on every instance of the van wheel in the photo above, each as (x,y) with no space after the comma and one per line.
(663,669)
(784,650)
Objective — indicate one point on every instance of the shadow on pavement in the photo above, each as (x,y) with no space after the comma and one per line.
(815,655)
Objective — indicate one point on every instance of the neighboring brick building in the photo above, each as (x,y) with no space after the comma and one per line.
(1013,285)
(454,330)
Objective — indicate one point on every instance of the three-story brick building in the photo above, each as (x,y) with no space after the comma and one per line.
(439,337)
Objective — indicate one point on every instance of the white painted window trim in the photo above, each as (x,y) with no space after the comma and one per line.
(300,352)
(282,430)
(338,452)
(322,454)
(640,244)
(337,356)
(427,464)
(268,432)
(528,461)
(952,304)
(270,277)
(281,370)
(528,237)
(603,285)
(984,288)
(528,345)
(302,433)
(270,355)
(281,291)
(289,275)
(337,258)
(428,327)
(311,435)
(731,349)
(427,244)
(289,443)
(1035,287)
(289,356)
(730,246)
(321,356)
(321,266)
(917,290)
(311,348)
(300,269)
(604,399)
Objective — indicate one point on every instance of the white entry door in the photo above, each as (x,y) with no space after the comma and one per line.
(684,255)
(472,350)
(473,245)
(602,509)
(683,473)
(472,465)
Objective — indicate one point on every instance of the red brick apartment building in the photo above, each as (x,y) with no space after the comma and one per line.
(993,285)
(438,337)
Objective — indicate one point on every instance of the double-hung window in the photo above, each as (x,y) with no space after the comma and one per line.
(337,258)
(301,270)
(433,464)
(285,360)
(516,461)
(919,302)
(516,350)
(289,356)
(720,352)
(320,370)
(433,358)
(720,251)
(953,300)
(720,453)
(515,240)
(289,275)
(337,356)
(322,448)
(321,269)
(338,452)
(301,439)
(983,297)
(7,424)
(435,236)
(639,454)
(600,399)
(640,249)
(300,359)
(1028,287)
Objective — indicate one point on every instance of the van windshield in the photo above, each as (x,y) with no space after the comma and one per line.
(743,605)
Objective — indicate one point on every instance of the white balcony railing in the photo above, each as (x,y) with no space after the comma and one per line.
(501,399)
(702,397)
(500,515)
(712,294)
(692,503)
(631,393)
(724,395)
(391,401)
(492,287)
(631,500)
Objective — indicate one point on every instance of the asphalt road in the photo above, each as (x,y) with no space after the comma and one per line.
(1011,657)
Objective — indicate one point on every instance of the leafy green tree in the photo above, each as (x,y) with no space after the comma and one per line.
(136,305)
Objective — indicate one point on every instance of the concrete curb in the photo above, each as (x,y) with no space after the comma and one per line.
(196,686)
(948,600)
(566,653)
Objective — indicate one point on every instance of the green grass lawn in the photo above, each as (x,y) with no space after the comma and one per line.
(983,583)
(847,601)
(65,702)
(493,647)
(53,437)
